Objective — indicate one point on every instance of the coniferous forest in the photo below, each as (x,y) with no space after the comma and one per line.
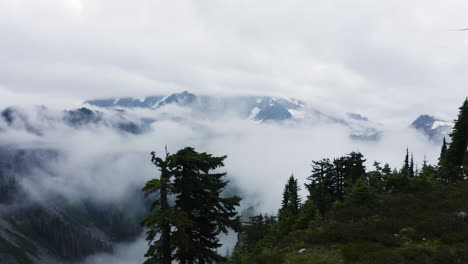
(351,214)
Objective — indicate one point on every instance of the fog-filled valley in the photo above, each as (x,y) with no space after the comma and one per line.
(84,167)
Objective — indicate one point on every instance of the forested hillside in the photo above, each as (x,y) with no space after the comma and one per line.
(354,214)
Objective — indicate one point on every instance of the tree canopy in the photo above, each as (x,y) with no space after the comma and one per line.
(190,225)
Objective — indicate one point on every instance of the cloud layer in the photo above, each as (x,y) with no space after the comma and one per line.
(101,162)
(98,162)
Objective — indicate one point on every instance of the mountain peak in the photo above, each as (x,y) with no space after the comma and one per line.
(433,127)
(184,98)
(357,117)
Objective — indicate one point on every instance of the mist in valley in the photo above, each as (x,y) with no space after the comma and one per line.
(100,163)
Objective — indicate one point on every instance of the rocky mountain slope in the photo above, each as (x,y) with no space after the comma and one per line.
(434,128)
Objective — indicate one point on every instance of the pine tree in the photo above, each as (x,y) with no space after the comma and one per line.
(376,178)
(199,196)
(355,167)
(405,171)
(329,180)
(291,200)
(397,181)
(456,156)
(307,213)
(453,160)
(411,172)
(295,199)
(338,178)
(321,182)
(347,170)
(188,230)
(162,219)
(443,151)
(255,230)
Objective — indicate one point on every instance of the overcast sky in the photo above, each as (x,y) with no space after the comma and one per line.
(380,58)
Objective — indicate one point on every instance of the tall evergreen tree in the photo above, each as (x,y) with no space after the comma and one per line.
(411,172)
(456,156)
(321,182)
(189,228)
(307,212)
(339,177)
(443,151)
(376,178)
(347,170)
(291,200)
(163,218)
(199,196)
(329,180)
(284,202)
(355,168)
(405,171)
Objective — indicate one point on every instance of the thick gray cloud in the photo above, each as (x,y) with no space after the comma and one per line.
(384,59)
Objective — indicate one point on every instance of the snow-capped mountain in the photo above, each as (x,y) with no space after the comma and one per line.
(146,102)
(434,128)
(267,109)
(183,99)
(119,114)
(256,108)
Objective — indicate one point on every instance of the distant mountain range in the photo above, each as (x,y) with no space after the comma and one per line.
(256,108)
(259,108)
(115,114)
(267,109)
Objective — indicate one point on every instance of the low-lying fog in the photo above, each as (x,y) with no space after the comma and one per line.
(102,163)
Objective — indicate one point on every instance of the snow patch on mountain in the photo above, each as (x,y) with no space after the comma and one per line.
(439,123)
(254,112)
(432,127)
(297,114)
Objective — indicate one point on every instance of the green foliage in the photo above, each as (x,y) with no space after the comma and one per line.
(454,161)
(375,217)
(307,213)
(329,180)
(370,227)
(428,172)
(361,193)
(291,200)
(190,227)
(443,151)
(162,219)
(405,171)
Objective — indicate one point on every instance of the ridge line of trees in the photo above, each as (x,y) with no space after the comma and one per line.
(346,180)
